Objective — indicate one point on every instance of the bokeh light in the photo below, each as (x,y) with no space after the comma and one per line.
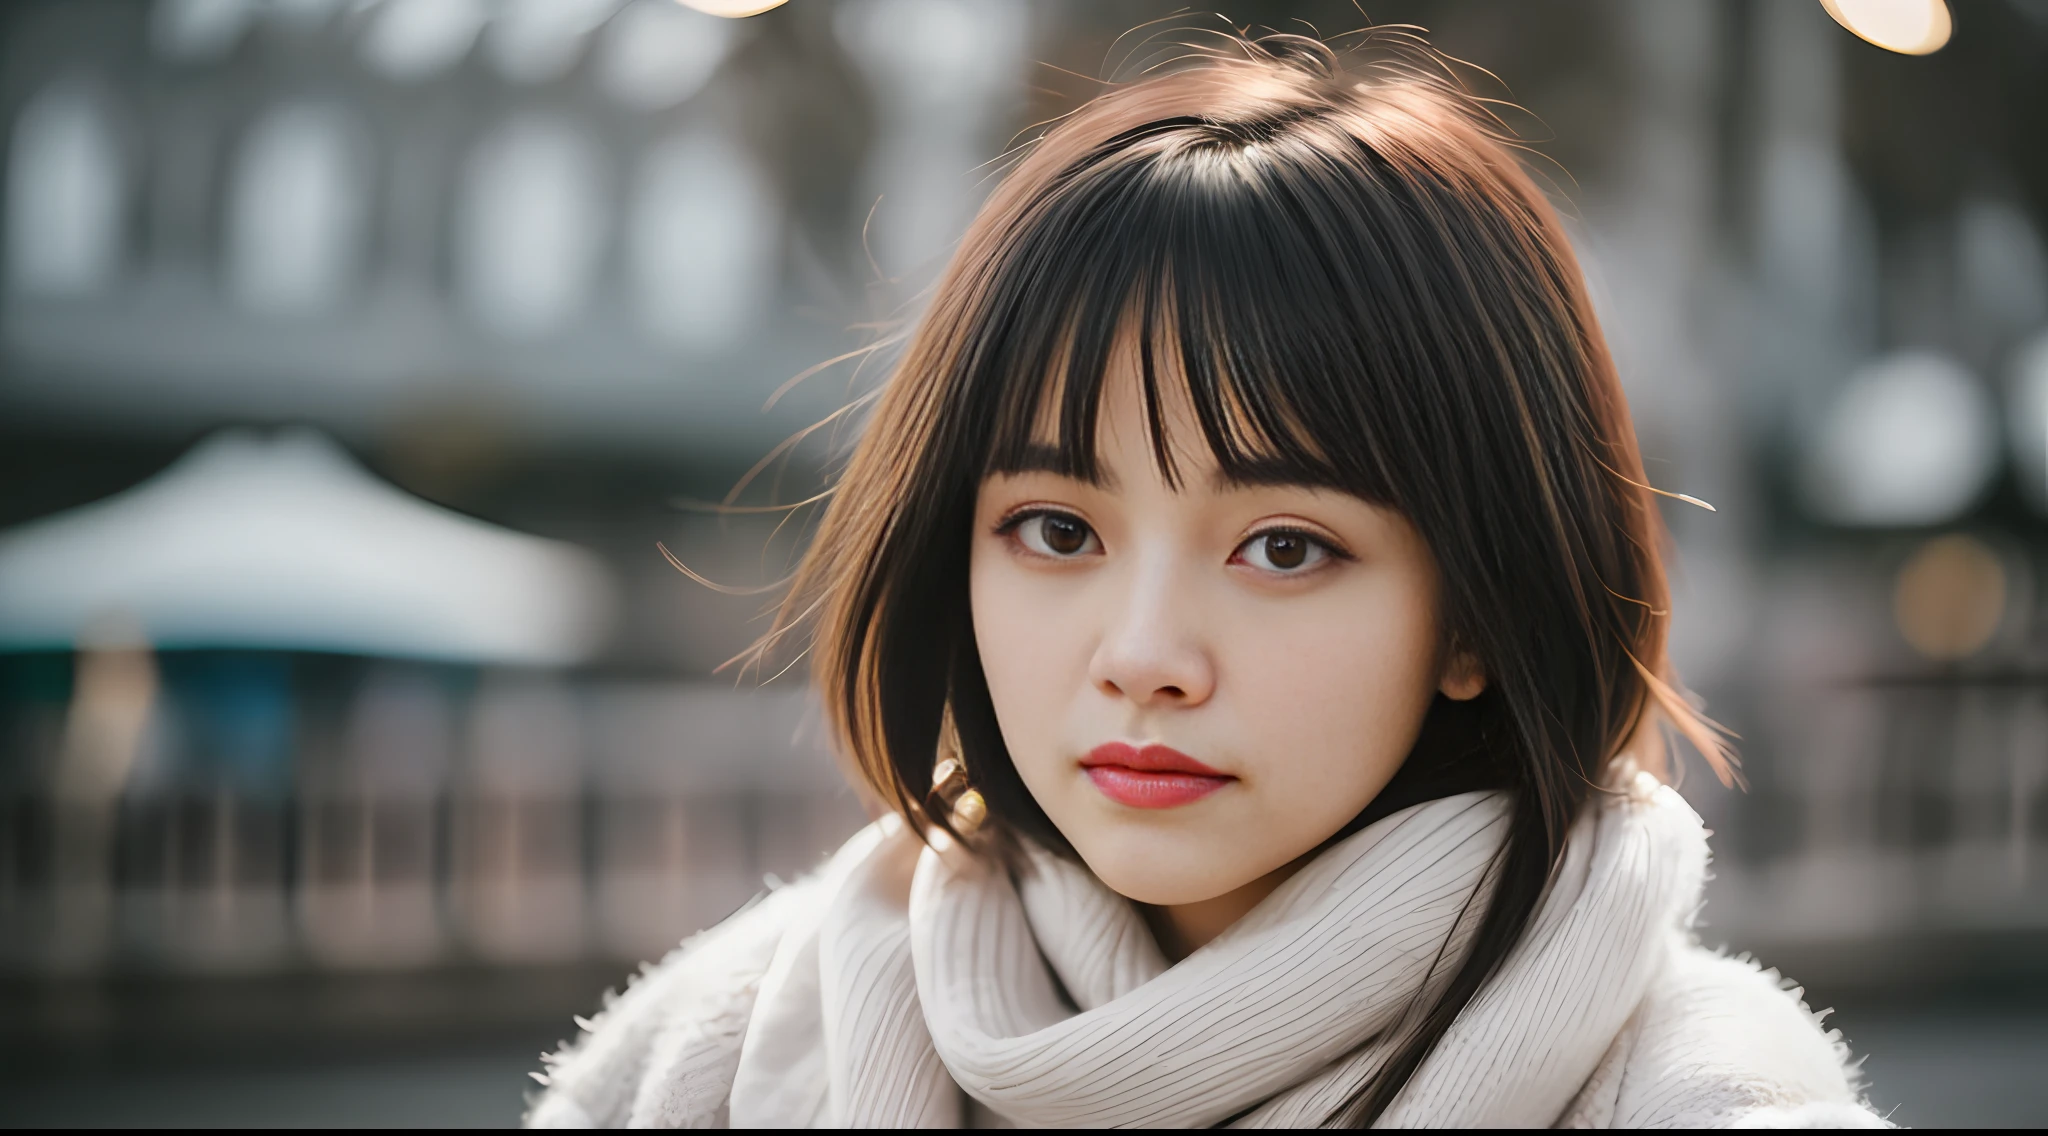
(1950,597)
(1909,27)
(1909,439)
(733,9)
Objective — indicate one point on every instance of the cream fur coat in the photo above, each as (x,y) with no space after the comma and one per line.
(906,987)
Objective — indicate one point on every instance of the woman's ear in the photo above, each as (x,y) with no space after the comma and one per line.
(1463,678)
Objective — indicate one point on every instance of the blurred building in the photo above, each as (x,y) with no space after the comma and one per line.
(488,295)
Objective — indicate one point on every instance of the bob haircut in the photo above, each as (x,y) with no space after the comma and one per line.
(1359,287)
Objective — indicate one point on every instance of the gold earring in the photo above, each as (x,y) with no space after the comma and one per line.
(966,808)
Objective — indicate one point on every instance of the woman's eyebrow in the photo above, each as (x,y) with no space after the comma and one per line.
(1246,473)
(1270,473)
(1043,457)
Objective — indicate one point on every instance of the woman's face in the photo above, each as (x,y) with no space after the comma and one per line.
(1200,684)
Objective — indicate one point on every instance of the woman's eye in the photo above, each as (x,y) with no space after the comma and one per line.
(1282,551)
(1056,534)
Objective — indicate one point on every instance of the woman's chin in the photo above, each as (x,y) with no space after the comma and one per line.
(1164,871)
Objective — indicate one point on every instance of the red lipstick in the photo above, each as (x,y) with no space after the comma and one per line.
(1150,777)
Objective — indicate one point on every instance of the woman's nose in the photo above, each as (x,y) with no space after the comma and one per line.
(1153,652)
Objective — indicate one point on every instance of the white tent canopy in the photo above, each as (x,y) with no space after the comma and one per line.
(285,542)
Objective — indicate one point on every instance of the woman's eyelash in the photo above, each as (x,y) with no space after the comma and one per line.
(1336,551)
(1009,522)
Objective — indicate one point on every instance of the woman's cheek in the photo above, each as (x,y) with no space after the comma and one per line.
(1337,697)
(1025,648)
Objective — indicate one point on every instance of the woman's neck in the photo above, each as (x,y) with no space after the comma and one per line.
(1184,928)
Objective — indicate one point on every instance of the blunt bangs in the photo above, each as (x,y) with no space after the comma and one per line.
(1169,239)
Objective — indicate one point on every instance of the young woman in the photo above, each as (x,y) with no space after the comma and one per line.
(1245,600)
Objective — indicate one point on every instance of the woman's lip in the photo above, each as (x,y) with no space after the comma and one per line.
(1147,759)
(1151,777)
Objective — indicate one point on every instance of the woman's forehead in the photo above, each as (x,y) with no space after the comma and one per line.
(1141,418)
(1135,420)
(1123,450)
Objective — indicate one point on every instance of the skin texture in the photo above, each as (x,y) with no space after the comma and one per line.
(1174,623)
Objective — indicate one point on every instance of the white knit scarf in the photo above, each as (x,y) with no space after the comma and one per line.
(1048,1003)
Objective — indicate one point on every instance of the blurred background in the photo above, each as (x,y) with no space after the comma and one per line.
(356,354)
